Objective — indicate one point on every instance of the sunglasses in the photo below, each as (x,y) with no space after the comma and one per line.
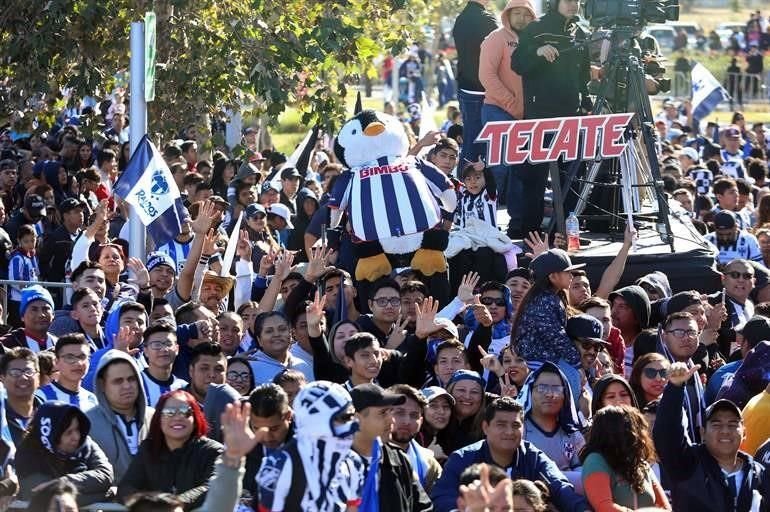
(652,373)
(738,275)
(488,301)
(171,412)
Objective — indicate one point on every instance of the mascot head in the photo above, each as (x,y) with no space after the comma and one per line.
(322,410)
(370,135)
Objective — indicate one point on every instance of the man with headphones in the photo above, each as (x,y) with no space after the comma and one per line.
(555,70)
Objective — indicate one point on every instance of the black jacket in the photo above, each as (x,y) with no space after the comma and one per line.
(559,88)
(726,335)
(399,488)
(185,472)
(54,254)
(697,481)
(471,27)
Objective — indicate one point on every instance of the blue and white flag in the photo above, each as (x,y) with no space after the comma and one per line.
(707,92)
(149,187)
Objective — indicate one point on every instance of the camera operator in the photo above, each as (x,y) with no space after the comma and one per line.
(555,70)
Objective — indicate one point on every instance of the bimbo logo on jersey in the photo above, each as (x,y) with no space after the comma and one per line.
(368,172)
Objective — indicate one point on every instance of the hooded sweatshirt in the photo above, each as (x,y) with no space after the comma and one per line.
(118,437)
(217,398)
(502,84)
(563,444)
(39,461)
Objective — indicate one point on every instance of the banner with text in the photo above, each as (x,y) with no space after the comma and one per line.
(547,140)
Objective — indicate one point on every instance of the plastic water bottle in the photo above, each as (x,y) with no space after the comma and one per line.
(573,233)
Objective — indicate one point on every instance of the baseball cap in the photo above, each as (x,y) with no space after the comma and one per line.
(585,327)
(35,205)
(155,259)
(724,220)
(691,153)
(448,326)
(723,404)
(70,204)
(682,300)
(553,260)
(32,293)
(372,395)
(268,185)
(732,132)
(282,211)
(289,173)
(254,209)
(432,392)
(756,329)
(459,375)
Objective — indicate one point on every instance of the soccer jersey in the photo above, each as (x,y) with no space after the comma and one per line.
(178,252)
(732,164)
(390,198)
(154,389)
(742,216)
(479,206)
(702,178)
(82,398)
(22,267)
(746,247)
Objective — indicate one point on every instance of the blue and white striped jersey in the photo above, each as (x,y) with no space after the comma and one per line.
(391,198)
(22,267)
(153,388)
(82,399)
(178,252)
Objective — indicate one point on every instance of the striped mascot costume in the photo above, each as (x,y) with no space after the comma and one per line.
(393,200)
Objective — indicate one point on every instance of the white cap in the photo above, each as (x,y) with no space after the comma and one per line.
(282,211)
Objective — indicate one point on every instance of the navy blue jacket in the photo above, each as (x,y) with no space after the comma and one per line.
(530,463)
(696,480)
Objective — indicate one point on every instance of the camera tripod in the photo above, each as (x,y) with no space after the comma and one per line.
(635,176)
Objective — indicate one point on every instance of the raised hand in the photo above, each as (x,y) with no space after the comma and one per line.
(480,312)
(238,437)
(491,363)
(140,271)
(536,243)
(210,243)
(317,264)
(123,340)
(679,373)
(425,323)
(480,496)
(467,287)
(315,312)
(243,249)
(398,334)
(283,263)
(207,215)
(508,387)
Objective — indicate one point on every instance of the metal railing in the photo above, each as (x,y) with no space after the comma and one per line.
(5,283)
(742,87)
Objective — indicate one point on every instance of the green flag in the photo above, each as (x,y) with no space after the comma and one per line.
(149,56)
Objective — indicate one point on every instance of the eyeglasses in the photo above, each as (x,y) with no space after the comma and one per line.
(18,372)
(653,373)
(182,410)
(72,358)
(546,389)
(681,333)
(738,275)
(241,377)
(387,301)
(160,345)
(488,301)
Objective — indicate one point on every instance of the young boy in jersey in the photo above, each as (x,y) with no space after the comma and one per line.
(72,352)
(87,312)
(363,359)
(22,266)
(160,351)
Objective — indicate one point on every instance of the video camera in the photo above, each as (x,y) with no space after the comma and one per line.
(630,13)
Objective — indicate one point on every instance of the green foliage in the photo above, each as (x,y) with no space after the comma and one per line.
(257,56)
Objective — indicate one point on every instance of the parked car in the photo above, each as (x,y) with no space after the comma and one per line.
(663,34)
(725,29)
(691,28)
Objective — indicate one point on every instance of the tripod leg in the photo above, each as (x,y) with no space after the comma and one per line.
(558,197)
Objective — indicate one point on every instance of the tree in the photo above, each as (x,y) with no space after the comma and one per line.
(212,55)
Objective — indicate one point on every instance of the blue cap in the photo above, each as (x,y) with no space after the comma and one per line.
(159,258)
(33,293)
(254,209)
(465,375)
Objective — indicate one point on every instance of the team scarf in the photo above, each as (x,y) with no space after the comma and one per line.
(370,500)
